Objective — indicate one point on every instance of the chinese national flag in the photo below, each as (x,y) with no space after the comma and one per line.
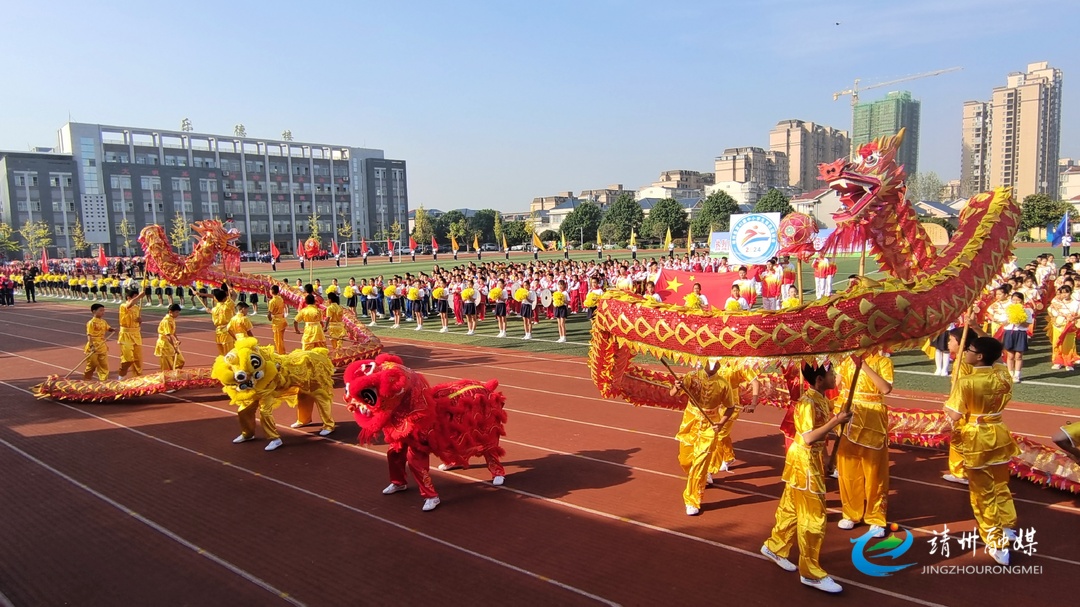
(390,245)
(334,250)
(434,245)
(300,249)
(412,243)
(673,286)
(274,252)
(101,261)
(363,246)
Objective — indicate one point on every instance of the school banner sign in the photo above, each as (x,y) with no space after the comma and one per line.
(753,237)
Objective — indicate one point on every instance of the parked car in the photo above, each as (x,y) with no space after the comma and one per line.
(489,246)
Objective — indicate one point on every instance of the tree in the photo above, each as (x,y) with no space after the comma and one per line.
(1039,211)
(124,232)
(180,233)
(78,237)
(394,231)
(622,215)
(482,224)
(345,229)
(774,201)
(516,232)
(549,235)
(37,235)
(458,229)
(532,222)
(423,229)
(443,222)
(715,214)
(498,228)
(583,221)
(8,242)
(667,213)
(924,186)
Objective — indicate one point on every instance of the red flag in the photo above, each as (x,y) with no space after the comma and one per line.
(44,260)
(673,286)
(274,252)
(389,245)
(101,261)
(334,250)
(300,249)
(434,245)
(412,243)
(363,246)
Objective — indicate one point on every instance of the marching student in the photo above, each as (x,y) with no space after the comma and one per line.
(499,295)
(470,298)
(559,300)
(335,326)
(97,329)
(167,348)
(130,339)
(276,313)
(313,336)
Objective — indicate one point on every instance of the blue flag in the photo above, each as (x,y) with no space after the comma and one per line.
(1062,228)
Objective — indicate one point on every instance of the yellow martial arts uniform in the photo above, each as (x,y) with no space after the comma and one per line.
(698,441)
(335,328)
(130,338)
(265,408)
(987,447)
(276,310)
(313,333)
(956,460)
(98,362)
(862,459)
(221,315)
(168,354)
(801,510)
(239,326)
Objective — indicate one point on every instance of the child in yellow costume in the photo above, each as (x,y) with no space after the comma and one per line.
(167,348)
(275,313)
(956,473)
(240,325)
(257,380)
(222,313)
(335,328)
(97,329)
(979,399)
(716,392)
(862,458)
(1064,314)
(131,334)
(313,336)
(801,512)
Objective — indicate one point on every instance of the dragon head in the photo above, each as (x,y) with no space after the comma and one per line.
(247,371)
(866,181)
(381,391)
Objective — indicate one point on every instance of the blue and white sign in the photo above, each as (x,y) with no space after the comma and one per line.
(754,237)
(719,244)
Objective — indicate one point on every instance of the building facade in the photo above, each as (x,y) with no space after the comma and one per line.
(887,116)
(975,149)
(269,190)
(37,186)
(806,145)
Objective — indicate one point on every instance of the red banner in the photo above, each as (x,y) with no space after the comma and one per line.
(334,250)
(274,252)
(299,249)
(673,286)
(44,260)
(363,246)
(434,245)
(102,262)
(412,243)
(390,246)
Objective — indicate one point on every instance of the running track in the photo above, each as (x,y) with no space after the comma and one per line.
(150,503)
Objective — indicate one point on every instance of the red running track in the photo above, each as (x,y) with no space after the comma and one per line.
(149,501)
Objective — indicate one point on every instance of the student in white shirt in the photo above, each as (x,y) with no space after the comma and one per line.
(736,297)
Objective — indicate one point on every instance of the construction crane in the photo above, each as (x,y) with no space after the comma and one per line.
(854,90)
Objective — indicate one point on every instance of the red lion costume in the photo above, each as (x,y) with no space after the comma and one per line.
(455,421)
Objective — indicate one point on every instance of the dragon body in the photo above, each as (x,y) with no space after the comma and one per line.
(202,265)
(925,290)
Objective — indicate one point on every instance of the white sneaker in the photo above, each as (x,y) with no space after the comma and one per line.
(527,336)
(325,432)
(835,473)
(498,480)
(955,479)
(726,466)
(469,332)
(1069,369)
(692,511)
(430,504)
(444,330)
(242,439)
(846,524)
(1000,556)
(395,326)
(371,324)
(1010,534)
(877,531)
(501,334)
(1055,367)
(561,340)
(708,479)
(782,562)
(274,444)
(392,488)
(444,467)
(825,584)
(419,328)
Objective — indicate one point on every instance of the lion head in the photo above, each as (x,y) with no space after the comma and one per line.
(383,392)
(867,180)
(247,371)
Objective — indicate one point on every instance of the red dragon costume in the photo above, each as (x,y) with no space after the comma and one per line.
(454,421)
(925,291)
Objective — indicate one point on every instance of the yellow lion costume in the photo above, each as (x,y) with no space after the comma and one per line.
(256,379)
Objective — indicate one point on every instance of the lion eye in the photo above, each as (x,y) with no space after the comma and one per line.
(873,159)
(256,361)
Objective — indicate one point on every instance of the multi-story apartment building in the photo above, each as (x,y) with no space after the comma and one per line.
(747,173)
(605,196)
(1015,138)
(806,145)
(42,186)
(125,178)
(887,116)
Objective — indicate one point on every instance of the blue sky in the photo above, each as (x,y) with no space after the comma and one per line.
(493,103)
